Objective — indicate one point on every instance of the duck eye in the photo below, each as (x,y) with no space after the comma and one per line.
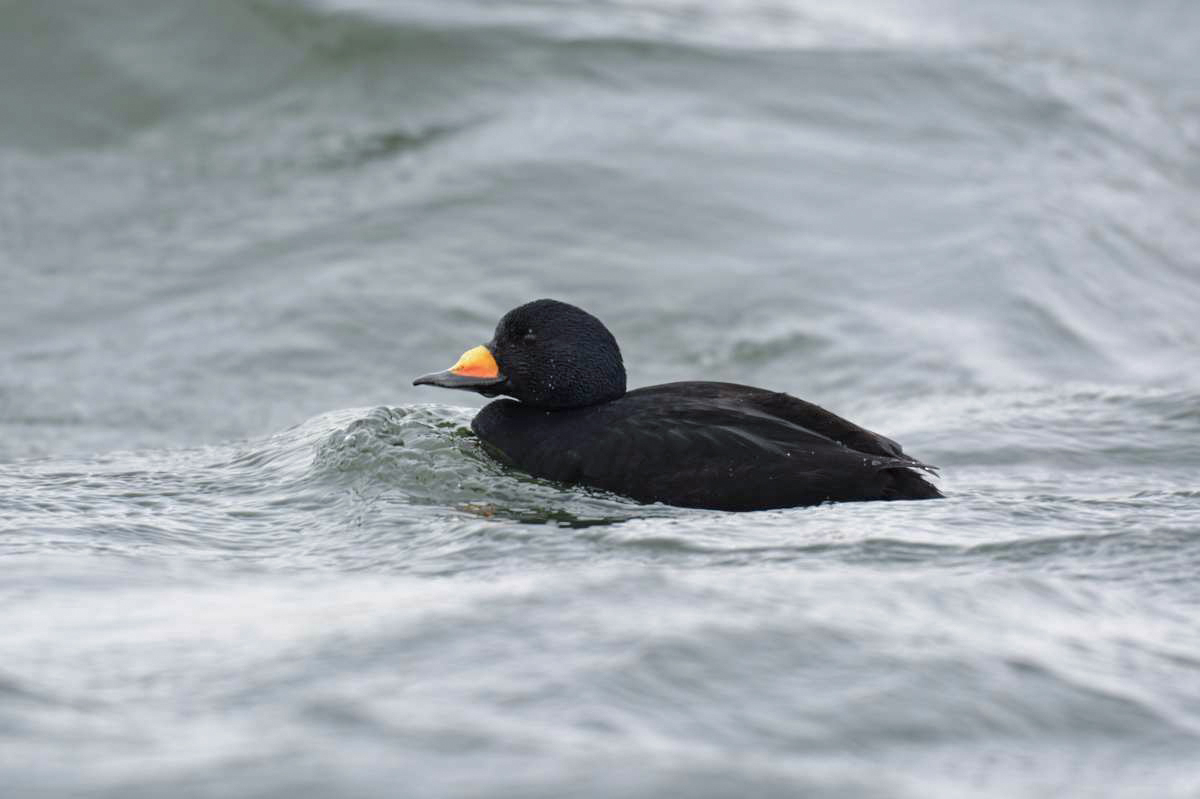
(529,335)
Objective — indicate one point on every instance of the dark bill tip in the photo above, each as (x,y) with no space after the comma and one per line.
(448,379)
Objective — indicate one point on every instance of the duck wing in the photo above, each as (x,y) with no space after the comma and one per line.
(804,414)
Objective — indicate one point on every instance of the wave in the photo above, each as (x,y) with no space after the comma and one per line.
(373,487)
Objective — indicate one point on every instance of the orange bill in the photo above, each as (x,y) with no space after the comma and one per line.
(477,368)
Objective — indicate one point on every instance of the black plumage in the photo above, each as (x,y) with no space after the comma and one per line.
(693,444)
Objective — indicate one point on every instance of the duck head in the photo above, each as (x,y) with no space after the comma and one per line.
(547,354)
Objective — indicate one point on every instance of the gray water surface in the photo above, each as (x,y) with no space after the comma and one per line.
(240,555)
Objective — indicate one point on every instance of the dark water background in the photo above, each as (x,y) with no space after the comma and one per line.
(241,556)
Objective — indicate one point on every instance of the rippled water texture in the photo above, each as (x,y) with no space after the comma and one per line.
(240,555)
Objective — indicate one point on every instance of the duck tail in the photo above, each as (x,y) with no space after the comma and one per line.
(907,484)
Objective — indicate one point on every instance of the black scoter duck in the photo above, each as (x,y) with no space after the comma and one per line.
(694,444)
